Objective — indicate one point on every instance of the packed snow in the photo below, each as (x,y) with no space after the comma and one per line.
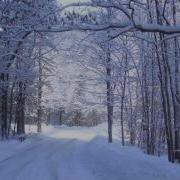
(79,153)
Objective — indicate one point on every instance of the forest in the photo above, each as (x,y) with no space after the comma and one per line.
(124,69)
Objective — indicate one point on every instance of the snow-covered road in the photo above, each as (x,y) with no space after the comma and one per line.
(51,159)
(74,154)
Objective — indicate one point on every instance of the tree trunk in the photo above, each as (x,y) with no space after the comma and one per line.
(109,97)
(20,108)
(39,111)
(4,105)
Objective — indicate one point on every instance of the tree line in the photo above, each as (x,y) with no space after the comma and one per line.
(137,54)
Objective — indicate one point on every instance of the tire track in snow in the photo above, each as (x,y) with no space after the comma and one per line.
(14,167)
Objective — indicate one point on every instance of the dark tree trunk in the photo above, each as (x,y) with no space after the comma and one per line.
(11,108)
(4,105)
(109,97)
(20,116)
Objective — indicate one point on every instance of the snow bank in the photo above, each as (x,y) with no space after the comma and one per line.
(126,163)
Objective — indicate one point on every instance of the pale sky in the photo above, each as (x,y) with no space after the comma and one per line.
(67,1)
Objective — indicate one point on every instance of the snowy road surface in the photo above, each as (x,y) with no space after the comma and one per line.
(79,154)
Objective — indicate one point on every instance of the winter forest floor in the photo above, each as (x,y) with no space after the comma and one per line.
(63,153)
